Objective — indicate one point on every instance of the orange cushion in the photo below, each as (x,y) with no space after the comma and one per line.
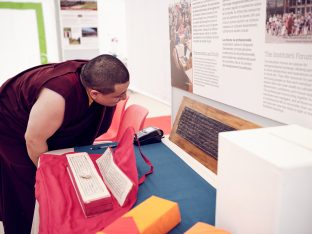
(154,215)
(204,228)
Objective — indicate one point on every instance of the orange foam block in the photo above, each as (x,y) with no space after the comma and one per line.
(204,228)
(155,215)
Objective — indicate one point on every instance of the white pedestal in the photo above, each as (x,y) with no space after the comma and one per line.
(265,181)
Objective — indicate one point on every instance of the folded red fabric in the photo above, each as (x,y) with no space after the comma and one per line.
(59,208)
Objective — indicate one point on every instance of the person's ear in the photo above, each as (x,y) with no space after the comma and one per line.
(94,93)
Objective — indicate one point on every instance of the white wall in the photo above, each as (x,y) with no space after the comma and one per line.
(149,58)
(145,48)
(177,96)
(112,23)
(17,41)
(19,38)
(148,48)
(145,44)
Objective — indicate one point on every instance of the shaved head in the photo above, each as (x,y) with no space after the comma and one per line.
(103,72)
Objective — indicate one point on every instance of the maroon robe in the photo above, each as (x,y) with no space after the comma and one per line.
(82,124)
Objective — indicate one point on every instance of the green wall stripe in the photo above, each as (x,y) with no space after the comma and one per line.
(40,23)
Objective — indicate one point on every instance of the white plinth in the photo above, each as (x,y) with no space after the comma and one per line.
(265,181)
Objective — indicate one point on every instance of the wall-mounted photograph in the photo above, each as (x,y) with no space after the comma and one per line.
(78,5)
(89,32)
(180,26)
(289,21)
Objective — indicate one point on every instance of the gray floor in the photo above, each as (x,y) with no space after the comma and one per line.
(155,107)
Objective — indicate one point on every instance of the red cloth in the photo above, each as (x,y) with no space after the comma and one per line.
(59,208)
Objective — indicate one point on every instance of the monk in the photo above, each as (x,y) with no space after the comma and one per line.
(289,24)
(50,107)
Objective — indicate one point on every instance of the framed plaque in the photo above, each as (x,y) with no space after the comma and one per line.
(196,128)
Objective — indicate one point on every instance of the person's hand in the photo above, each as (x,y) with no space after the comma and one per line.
(35,160)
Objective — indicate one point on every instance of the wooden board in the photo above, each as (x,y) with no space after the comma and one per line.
(196,129)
